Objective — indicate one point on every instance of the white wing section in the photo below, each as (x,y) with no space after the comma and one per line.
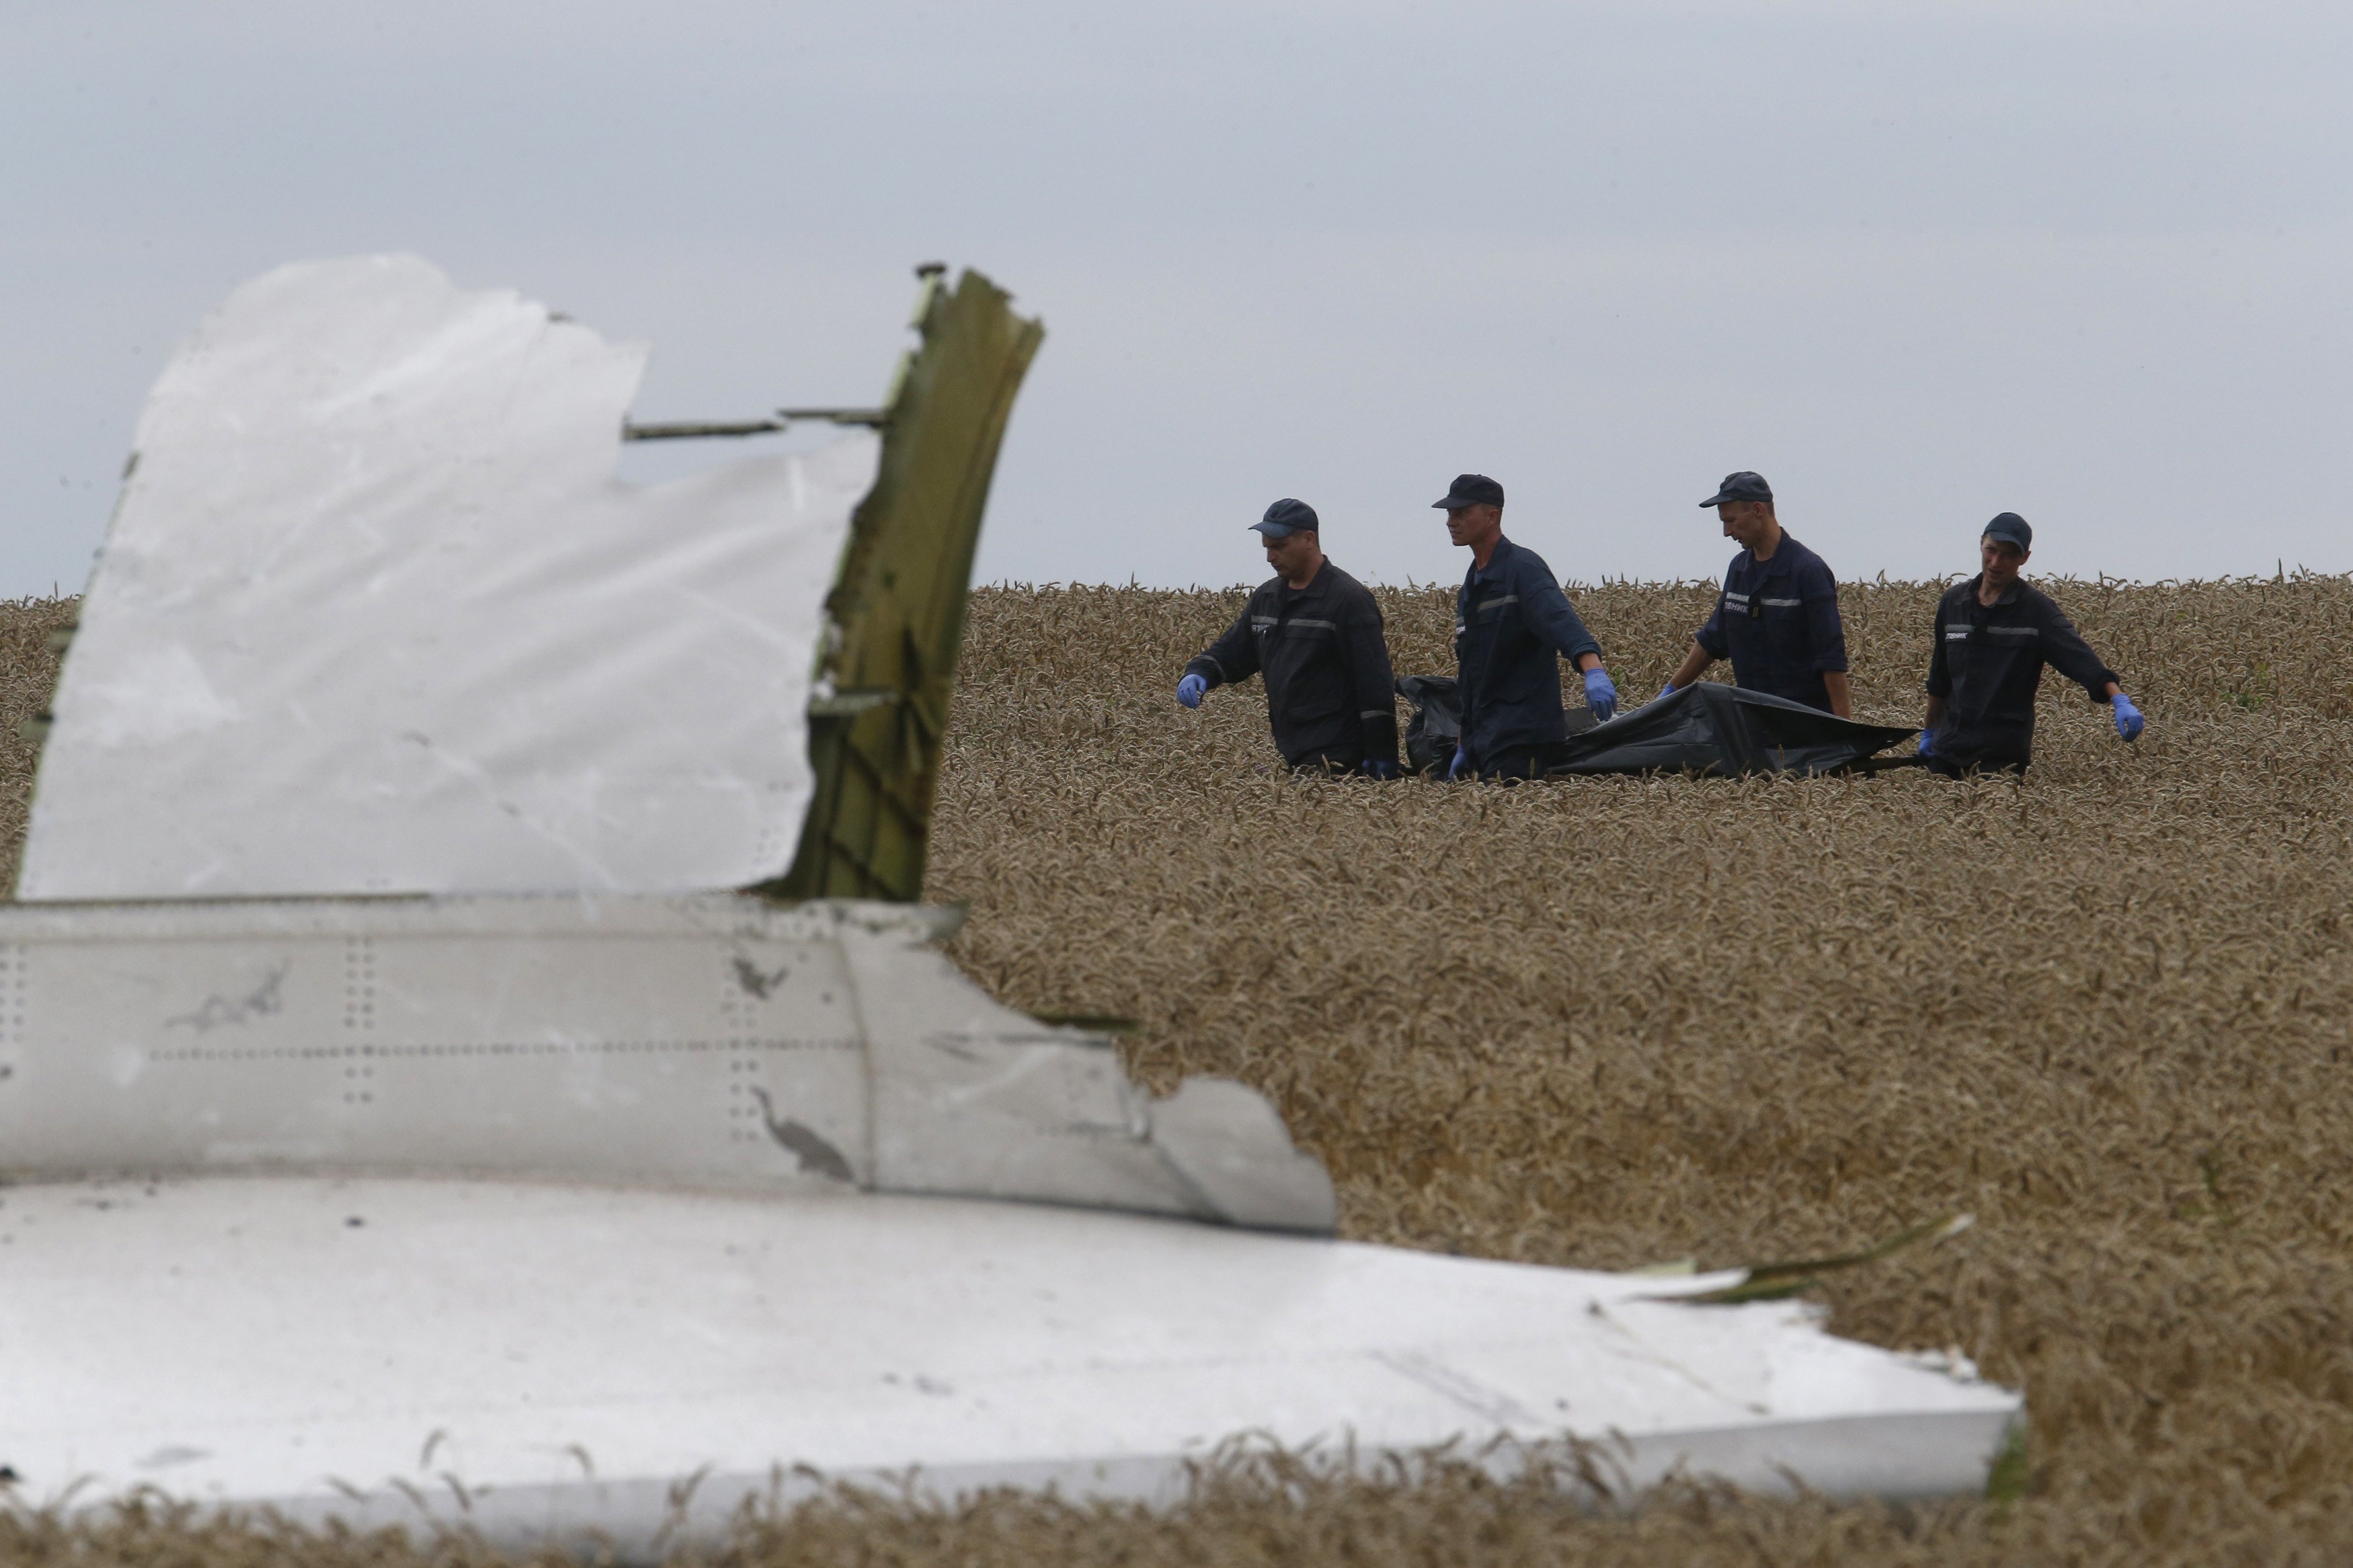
(717,1040)
(541,1362)
(375,615)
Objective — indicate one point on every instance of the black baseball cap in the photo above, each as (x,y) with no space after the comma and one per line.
(2009,525)
(1742,486)
(1286,518)
(1471,490)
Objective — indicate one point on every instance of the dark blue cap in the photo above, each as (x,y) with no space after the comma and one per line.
(1471,490)
(2009,525)
(1287,517)
(1742,486)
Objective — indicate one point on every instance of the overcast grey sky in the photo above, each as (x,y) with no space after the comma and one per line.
(1916,263)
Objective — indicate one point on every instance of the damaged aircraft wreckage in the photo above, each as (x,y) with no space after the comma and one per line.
(474,1052)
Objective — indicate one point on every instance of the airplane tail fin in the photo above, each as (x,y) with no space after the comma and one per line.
(895,617)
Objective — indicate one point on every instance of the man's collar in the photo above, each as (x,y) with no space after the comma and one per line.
(2008,596)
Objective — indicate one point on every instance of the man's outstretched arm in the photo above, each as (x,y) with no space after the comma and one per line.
(1545,608)
(1548,612)
(1708,645)
(1233,657)
(1694,666)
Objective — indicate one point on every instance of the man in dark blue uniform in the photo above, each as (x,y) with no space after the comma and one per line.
(1511,619)
(1777,616)
(1315,633)
(1994,634)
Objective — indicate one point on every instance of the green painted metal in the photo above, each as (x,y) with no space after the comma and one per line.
(897,610)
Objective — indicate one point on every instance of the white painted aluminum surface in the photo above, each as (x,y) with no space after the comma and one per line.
(712,1040)
(564,1355)
(375,615)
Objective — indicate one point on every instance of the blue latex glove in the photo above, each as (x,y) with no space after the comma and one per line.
(1454,769)
(1600,694)
(1380,767)
(1189,689)
(1927,742)
(2127,717)
(1664,692)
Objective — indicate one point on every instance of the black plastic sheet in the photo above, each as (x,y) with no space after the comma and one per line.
(1706,727)
(1436,727)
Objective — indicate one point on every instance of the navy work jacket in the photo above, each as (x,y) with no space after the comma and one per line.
(1986,664)
(1777,621)
(1510,620)
(1329,695)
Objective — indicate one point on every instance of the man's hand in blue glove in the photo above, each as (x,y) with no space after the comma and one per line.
(2127,717)
(1189,689)
(1600,694)
(1461,762)
(1927,742)
(1664,692)
(1380,767)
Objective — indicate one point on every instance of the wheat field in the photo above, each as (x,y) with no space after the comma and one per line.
(2108,1010)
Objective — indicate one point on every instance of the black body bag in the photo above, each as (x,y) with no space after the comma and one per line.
(1436,727)
(1706,727)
